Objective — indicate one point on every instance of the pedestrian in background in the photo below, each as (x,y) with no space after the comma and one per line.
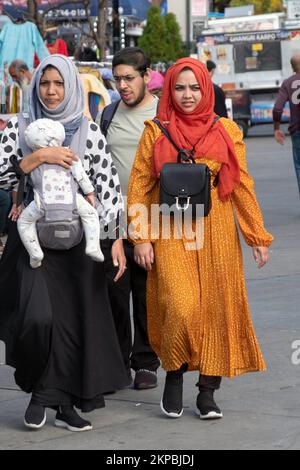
(123,124)
(156,83)
(109,83)
(198,314)
(220,98)
(289,92)
(21,74)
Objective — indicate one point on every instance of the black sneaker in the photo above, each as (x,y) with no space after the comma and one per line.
(35,416)
(68,418)
(145,379)
(207,407)
(171,402)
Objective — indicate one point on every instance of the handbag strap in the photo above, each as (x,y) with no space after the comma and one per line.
(164,131)
(184,154)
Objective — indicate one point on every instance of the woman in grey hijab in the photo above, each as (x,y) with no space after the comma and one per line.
(69,111)
(59,331)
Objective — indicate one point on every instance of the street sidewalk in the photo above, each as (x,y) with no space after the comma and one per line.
(261,411)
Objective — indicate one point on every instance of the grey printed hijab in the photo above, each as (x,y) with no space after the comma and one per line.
(70,111)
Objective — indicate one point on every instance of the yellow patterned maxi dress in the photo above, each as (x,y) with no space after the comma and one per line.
(196,299)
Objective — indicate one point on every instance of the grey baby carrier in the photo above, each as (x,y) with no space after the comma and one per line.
(61,227)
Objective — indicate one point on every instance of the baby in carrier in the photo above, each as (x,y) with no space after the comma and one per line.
(58,204)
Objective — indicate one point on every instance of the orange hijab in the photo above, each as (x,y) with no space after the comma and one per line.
(195,130)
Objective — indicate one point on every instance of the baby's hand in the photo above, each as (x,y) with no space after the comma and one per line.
(91,199)
(15,212)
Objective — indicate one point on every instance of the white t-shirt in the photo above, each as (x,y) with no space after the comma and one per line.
(124,133)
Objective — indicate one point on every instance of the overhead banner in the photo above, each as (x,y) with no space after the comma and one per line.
(247,37)
(16,8)
(136,8)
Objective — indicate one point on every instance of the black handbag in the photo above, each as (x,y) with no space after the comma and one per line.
(186,184)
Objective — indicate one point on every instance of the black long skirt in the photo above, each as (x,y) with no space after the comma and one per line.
(58,327)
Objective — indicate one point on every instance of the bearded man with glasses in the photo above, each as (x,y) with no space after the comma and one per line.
(123,129)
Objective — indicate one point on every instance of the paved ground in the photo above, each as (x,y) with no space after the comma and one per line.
(261,411)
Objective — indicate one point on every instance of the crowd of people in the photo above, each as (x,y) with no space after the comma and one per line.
(68,332)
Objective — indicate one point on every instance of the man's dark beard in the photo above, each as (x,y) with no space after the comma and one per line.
(138,100)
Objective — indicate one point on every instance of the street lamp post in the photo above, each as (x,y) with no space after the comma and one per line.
(122,32)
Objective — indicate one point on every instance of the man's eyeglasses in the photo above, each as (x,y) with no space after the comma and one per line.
(127,78)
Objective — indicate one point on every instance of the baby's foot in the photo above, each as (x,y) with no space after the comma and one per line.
(96,255)
(36,262)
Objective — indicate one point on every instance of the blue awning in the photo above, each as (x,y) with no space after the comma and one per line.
(135,8)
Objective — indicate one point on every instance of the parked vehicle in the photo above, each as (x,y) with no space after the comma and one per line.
(253,58)
(253,107)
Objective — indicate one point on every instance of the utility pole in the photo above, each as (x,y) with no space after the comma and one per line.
(116,26)
(188,26)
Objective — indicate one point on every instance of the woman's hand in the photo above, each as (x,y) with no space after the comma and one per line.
(118,258)
(58,155)
(144,255)
(261,255)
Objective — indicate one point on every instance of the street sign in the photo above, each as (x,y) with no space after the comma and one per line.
(200,8)
(199,17)
(293,9)
(232,12)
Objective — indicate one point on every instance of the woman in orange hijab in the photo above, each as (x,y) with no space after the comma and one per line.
(198,314)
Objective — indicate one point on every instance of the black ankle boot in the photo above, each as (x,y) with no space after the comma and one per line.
(206,405)
(171,402)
